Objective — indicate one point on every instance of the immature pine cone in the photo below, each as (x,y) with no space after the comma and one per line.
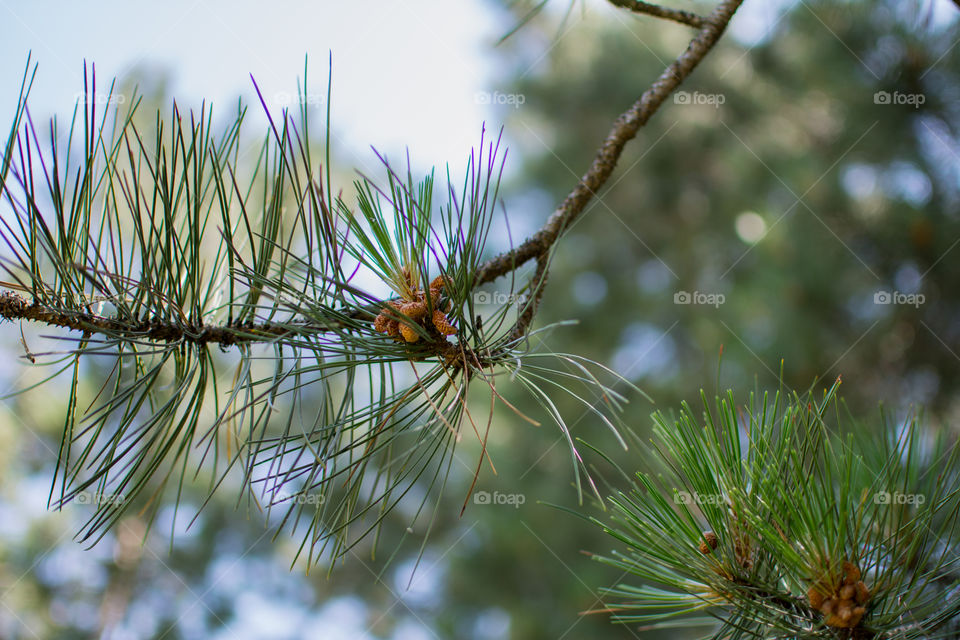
(843,603)
(418,311)
(709,542)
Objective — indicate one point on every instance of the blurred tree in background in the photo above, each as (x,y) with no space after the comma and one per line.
(793,190)
(789,179)
(798,194)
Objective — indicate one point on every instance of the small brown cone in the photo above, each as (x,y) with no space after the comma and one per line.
(393,328)
(833,620)
(862,593)
(415,310)
(851,573)
(442,324)
(408,333)
(845,612)
(436,286)
(709,542)
(815,598)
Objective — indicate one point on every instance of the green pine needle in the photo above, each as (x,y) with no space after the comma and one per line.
(754,512)
(162,246)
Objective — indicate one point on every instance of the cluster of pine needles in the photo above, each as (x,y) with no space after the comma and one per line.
(770,521)
(248,318)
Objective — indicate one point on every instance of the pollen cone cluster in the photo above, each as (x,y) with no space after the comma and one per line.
(418,311)
(842,602)
(742,550)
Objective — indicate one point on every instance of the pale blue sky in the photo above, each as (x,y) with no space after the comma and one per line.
(388,57)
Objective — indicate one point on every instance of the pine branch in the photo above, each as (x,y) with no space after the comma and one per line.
(624,129)
(122,248)
(776,523)
(683,17)
(165,229)
(537,246)
(15,307)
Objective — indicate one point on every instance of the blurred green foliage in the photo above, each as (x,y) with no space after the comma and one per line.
(784,183)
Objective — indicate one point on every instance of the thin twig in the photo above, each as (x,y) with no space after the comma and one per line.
(15,307)
(537,246)
(537,283)
(624,129)
(683,17)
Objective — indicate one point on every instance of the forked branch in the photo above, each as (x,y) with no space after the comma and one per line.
(536,247)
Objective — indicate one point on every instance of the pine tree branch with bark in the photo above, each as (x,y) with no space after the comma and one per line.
(157,242)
